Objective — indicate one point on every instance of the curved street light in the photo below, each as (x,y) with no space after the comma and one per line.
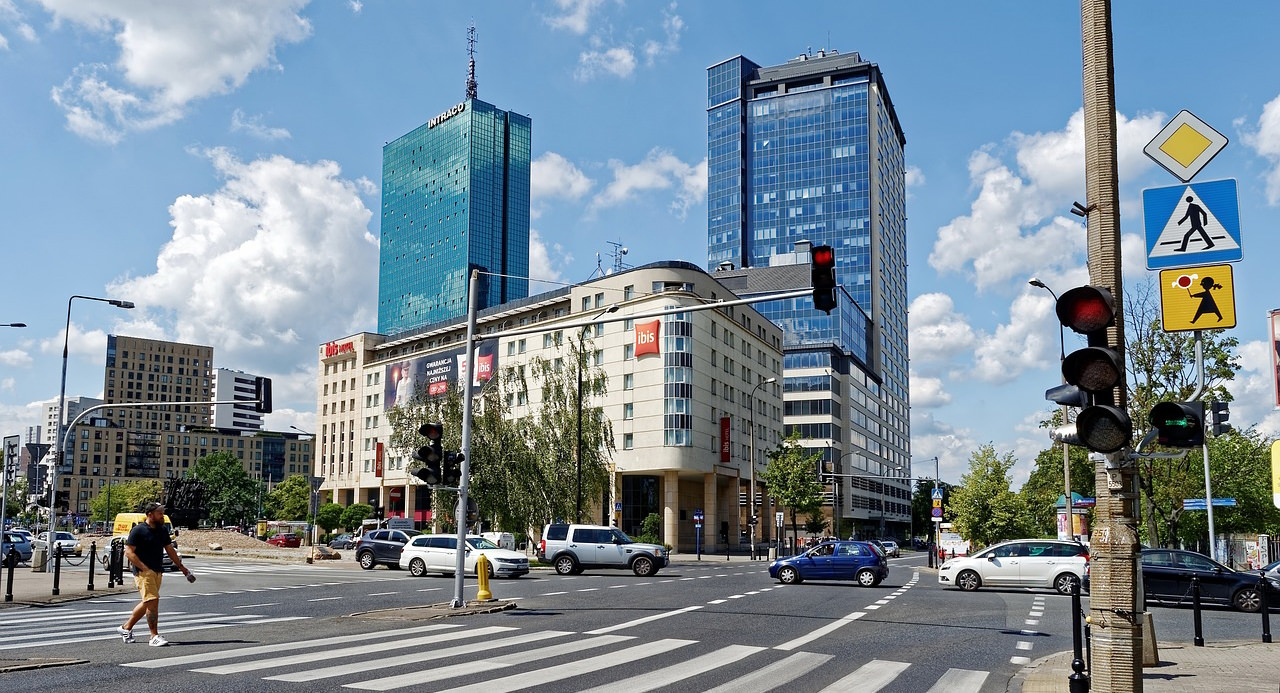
(15,324)
(753,520)
(582,338)
(1066,451)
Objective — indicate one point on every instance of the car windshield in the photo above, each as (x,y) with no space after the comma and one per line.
(66,536)
(481,543)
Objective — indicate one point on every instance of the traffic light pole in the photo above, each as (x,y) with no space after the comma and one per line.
(1114,607)
(464,485)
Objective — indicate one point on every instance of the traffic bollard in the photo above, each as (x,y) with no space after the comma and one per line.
(482,577)
(93,553)
(1264,588)
(57,564)
(1077,682)
(1195,611)
(11,563)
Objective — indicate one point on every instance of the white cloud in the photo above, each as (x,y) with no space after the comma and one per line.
(938,332)
(266,267)
(1021,344)
(15,358)
(10,15)
(575,15)
(914,176)
(253,125)
(545,262)
(932,438)
(1265,140)
(1253,390)
(619,61)
(170,55)
(552,176)
(672,28)
(660,170)
(356,7)
(8,384)
(928,392)
(91,344)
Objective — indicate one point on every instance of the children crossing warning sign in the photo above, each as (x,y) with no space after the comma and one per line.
(1199,298)
(1192,224)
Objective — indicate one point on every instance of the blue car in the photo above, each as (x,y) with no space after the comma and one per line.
(834,560)
(20,544)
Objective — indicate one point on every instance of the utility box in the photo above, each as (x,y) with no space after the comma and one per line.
(39,559)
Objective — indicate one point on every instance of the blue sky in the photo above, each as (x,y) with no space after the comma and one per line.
(221,169)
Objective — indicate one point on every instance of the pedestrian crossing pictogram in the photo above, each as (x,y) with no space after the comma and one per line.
(1188,225)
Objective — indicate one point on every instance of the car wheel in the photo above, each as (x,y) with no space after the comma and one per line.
(1247,600)
(366,560)
(642,566)
(789,576)
(417,567)
(566,565)
(968,581)
(1065,583)
(866,578)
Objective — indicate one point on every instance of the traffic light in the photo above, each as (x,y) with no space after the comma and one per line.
(473,511)
(378,512)
(1178,424)
(822,261)
(451,472)
(1091,374)
(1218,413)
(262,395)
(430,455)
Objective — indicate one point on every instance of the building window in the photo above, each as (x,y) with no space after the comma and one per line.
(628,411)
(628,292)
(629,381)
(628,352)
(628,441)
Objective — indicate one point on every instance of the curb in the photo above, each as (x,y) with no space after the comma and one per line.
(435,611)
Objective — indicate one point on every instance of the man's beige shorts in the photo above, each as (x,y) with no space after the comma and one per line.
(148,585)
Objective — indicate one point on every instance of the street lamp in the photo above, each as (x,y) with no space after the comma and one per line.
(752,518)
(15,324)
(62,402)
(315,491)
(1066,451)
(582,342)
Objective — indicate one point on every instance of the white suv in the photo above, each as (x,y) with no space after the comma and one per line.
(1020,563)
(573,548)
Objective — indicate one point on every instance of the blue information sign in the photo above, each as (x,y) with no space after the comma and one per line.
(1192,224)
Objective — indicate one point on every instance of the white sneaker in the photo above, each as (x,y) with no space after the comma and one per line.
(125,635)
(157,641)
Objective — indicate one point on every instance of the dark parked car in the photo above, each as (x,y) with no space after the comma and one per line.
(288,540)
(383,546)
(834,560)
(343,541)
(1167,573)
(18,543)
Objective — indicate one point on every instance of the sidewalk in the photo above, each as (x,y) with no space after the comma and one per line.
(1238,666)
(36,589)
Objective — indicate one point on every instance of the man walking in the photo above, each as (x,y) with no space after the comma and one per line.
(144,549)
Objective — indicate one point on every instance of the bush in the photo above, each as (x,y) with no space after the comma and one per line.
(650,530)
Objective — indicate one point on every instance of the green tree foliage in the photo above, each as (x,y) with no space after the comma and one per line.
(1239,468)
(792,478)
(1161,367)
(289,500)
(986,509)
(1041,492)
(922,505)
(16,498)
(127,497)
(230,494)
(650,529)
(355,514)
(816,524)
(329,516)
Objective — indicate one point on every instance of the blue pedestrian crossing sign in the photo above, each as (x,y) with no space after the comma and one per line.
(1192,224)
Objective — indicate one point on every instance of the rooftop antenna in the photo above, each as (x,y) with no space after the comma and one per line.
(471,61)
(619,251)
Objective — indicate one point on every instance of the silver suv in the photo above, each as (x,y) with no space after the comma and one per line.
(574,548)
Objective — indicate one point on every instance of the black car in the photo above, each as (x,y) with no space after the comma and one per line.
(383,546)
(1167,573)
(342,541)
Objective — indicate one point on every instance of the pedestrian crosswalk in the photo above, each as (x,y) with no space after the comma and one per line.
(458,658)
(69,625)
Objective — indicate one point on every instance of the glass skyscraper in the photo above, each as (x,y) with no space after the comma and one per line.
(812,150)
(455,196)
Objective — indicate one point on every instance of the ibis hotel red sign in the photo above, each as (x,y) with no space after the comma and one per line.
(334,348)
(647,338)
(724,440)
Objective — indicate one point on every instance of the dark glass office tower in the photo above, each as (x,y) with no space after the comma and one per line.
(455,196)
(812,150)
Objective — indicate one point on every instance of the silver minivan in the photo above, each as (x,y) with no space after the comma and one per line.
(1059,565)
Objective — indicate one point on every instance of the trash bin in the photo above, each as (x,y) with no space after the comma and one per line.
(39,558)
(773,553)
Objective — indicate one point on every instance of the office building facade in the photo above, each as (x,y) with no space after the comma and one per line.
(455,196)
(806,153)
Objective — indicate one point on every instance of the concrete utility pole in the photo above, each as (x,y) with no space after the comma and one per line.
(1113,604)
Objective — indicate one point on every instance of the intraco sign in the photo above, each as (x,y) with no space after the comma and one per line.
(1186,145)
(447,115)
(1194,224)
(1199,298)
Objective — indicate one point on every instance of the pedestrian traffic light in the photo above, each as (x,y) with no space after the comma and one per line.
(1218,413)
(822,261)
(451,471)
(1092,374)
(378,512)
(473,510)
(1178,424)
(262,395)
(430,455)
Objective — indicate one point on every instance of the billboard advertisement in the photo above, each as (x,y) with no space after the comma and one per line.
(435,374)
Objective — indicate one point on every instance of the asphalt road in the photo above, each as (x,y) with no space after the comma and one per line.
(259,626)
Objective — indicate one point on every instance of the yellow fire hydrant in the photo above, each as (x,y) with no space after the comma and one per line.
(482,576)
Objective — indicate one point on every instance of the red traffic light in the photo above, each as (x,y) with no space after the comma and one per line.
(1086,309)
(824,256)
(822,264)
(432,431)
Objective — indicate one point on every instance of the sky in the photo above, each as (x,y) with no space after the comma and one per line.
(219,164)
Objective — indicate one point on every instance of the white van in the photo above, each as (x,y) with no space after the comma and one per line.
(504,540)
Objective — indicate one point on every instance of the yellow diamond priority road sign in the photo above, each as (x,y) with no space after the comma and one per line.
(1185,146)
(1197,298)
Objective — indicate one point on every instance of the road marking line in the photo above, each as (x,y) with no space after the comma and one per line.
(614,587)
(324,599)
(590,589)
(872,607)
(960,681)
(251,606)
(1030,632)
(1019,660)
(667,676)
(736,596)
(646,619)
(717,601)
(1032,622)
(869,677)
(381,594)
(776,675)
(793,644)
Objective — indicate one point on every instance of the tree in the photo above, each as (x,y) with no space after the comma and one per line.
(127,497)
(1239,468)
(355,514)
(230,495)
(986,509)
(792,478)
(816,524)
(1046,483)
(16,498)
(290,499)
(329,516)
(922,504)
(1161,367)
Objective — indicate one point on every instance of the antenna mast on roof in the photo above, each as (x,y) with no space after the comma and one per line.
(471,61)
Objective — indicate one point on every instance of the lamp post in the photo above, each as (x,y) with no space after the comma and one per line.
(62,402)
(752,518)
(1066,451)
(315,491)
(577,449)
(14,324)
(4,468)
